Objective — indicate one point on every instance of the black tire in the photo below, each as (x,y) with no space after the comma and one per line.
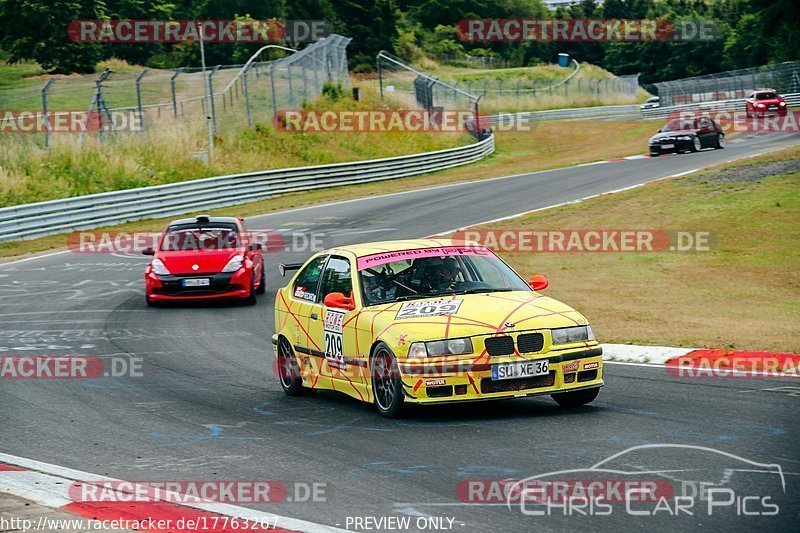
(654,154)
(262,288)
(697,144)
(289,370)
(720,141)
(387,388)
(576,398)
(251,298)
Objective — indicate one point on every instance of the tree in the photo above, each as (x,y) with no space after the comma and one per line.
(35,30)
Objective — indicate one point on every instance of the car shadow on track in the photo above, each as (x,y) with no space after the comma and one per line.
(477,411)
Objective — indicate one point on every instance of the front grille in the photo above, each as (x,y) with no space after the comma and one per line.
(499,345)
(537,382)
(219,283)
(530,342)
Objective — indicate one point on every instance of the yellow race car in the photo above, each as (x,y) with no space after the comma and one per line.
(428,321)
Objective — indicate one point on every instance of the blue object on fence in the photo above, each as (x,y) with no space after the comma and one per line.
(563,60)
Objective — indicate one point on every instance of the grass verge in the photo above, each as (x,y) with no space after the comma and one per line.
(742,294)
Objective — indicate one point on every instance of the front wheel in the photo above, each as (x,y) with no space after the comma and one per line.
(262,287)
(289,370)
(720,141)
(696,144)
(251,298)
(576,398)
(387,388)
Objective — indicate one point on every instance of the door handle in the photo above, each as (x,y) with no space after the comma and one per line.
(314,316)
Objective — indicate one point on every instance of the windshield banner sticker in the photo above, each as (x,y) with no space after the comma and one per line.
(425,308)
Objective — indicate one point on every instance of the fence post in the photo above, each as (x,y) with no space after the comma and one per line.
(305,83)
(272,85)
(380,76)
(44,110)
(291,88)
(139,98)
(247,96)
(172,89)
(211,97)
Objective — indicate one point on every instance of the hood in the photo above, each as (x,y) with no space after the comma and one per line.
(208,262)
(476,314)
(672,134)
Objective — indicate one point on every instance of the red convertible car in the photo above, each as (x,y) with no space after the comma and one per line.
(205,258)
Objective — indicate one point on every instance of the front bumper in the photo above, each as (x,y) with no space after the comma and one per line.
(677,146)
(226,285)
(569,370)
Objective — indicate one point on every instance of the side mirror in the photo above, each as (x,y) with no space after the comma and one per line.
(337,299)
(148,251)
(538,282)
(659,131)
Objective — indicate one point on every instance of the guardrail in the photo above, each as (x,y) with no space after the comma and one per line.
(30,221)
(555,114)
(736,104)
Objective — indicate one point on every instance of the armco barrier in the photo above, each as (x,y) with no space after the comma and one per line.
(83,212)
(577,112)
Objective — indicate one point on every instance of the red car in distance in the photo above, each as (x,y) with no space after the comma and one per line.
(205,258)
(765,101)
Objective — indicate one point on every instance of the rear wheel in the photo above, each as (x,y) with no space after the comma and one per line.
(289,370)
(576,398)
(387,388)
(720,141)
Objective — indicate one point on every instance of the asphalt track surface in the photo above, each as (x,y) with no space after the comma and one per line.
(208,406)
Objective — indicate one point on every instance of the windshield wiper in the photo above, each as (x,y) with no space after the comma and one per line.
(479,291)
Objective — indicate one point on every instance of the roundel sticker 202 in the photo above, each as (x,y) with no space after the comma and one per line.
(425,308)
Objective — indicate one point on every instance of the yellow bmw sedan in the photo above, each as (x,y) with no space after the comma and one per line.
(428,321)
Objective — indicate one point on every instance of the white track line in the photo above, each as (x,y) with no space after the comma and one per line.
(48,485)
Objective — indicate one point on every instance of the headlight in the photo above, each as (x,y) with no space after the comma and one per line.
(782,103)
(159,268)
(234,264)
(684,138)
(573,334)
(438,348)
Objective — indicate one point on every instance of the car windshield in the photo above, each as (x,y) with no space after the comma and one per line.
(766,96)
(435,272)
(652,100)
(201,237)
(679,124)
